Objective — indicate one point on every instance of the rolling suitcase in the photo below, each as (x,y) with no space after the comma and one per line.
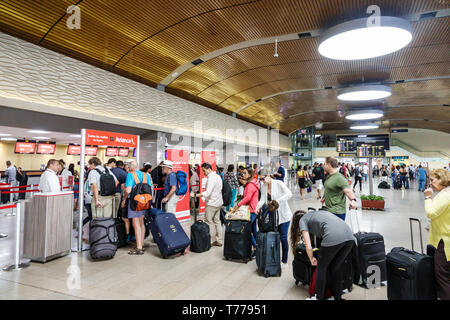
(103,237)
(168,234)
(238,240)
(397,183)
(200,236)
(268,258)
(410,275)
(369,256)
(121,233)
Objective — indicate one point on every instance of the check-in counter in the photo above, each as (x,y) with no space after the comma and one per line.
(48,222)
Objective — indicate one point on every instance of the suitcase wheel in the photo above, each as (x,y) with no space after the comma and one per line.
(297,282)
(246,261)
(266,275)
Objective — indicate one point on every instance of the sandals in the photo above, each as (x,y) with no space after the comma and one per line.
(136,251)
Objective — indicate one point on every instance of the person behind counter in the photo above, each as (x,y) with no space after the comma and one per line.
(49,180)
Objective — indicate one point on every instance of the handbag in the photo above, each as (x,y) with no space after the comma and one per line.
(308,183)
(243,214)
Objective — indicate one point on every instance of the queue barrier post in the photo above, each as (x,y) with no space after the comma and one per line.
(17,264)
(11,200)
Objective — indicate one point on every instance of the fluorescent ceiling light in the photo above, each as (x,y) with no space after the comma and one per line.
(362,136)
(75,135)
(365,93)
(365,115)
(364,126)
(41,138)
(9,139)
(354,40)
(4,134)
(38,131)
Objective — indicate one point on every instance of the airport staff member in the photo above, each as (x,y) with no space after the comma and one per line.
(49,181)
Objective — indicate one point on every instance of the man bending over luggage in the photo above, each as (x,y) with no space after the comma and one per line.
(337,243)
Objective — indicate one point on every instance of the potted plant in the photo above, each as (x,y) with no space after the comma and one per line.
(372,202)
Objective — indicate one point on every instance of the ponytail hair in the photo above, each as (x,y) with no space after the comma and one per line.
(295,229)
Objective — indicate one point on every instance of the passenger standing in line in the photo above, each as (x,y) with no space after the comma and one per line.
(99,201)
(230,177)
(303,176)
(22,179)
(404,176)
(280,174)
(72,169)
(213,198)
(133,177)
(337,243)
(422,178)
(65,174)
(194,183)
(121,175)
(358,177)
(10,175)
(157,179)
(336,189)
(170,187)
(49,181)
(251,192)
(438,211)
(277,190)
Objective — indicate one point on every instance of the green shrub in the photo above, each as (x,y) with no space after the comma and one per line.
(372,197)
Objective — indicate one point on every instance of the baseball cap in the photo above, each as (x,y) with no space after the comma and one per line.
(167,163)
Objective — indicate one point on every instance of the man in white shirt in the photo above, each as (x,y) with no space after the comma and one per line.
(10,174)
(65,174)
(365,171)
(49,181)
(214,201)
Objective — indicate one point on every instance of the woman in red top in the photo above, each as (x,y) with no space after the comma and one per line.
(251,195)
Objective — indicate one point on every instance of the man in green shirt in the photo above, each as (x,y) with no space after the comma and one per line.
(336,188)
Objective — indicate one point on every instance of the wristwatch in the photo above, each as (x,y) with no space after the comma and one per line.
(353,200)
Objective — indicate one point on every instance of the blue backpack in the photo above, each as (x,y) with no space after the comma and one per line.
(182,184)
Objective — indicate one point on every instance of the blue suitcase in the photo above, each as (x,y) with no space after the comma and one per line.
(268,258)
(169,235)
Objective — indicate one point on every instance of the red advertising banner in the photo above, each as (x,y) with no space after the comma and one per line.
(90,151)
(180,159)
(210,157)
(112,152)
(123,152)
(73,150)
(113,139)
(25,147)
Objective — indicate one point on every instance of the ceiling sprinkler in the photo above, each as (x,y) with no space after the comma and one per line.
(276,49)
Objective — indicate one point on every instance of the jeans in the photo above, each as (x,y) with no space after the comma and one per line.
(89,211)
(254,231)
(283,229)
(365,177)
(331,259)
(404,181)
(233,199)
(421,185)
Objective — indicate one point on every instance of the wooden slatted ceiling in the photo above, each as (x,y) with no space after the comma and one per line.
(147,40)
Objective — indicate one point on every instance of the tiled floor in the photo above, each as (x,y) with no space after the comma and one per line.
(194,276)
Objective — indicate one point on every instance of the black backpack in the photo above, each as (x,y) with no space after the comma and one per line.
(268,217)
(227,194)
(141,188)
(107,183)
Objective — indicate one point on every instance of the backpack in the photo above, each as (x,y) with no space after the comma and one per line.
(182,184)
(140,197)
(268,217)
(107,183)
(227,194)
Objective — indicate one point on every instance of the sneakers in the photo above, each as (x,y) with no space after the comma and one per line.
(312,298)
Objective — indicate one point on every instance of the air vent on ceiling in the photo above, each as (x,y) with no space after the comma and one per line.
(197,62)
(258,100)
(428,15)
(399,81)
(304,35)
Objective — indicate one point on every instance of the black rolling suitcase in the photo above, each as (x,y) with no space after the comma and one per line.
(103,237)
(397,183)
(238,240)
(410,274)
(268,257)
(369,257)
(301,266)
(200,236)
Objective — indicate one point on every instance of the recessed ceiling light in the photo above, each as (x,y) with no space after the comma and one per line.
(365,126)
(365,115)
(38,131)
(41,138)
(75,135)
(365,93)
(4,135)
(9,139)
(362,136)
(354,39)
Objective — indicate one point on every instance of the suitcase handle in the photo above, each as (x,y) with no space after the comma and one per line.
(351,219)
(420,231)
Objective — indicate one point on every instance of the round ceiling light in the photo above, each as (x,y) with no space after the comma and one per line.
(365,93)
(365,126)
(354,39)
(365,115)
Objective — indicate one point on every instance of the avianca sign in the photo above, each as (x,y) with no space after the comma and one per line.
(111,139)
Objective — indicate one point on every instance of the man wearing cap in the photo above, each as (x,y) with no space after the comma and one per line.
(170,187)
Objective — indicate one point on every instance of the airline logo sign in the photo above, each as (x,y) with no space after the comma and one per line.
(113,139)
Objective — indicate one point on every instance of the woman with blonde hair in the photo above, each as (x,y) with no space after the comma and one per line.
(438,211)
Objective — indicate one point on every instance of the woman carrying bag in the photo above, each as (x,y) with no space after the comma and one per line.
(277,190)
(250,198)
(303,177)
